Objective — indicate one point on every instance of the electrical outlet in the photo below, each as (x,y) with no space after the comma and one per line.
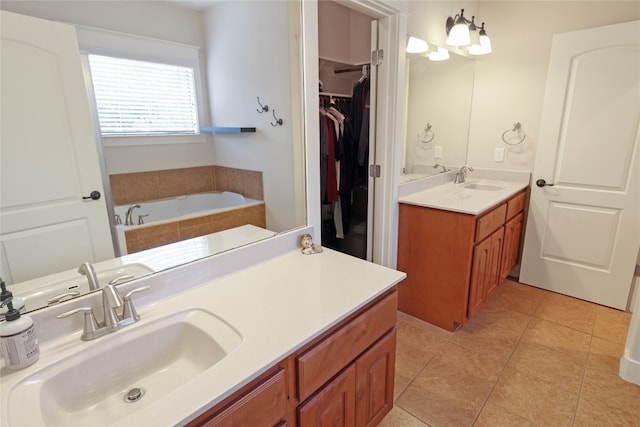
(498,155)
(437,152)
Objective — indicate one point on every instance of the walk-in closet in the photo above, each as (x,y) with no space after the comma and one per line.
(344,47)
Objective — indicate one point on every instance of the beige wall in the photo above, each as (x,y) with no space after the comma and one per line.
(510,83)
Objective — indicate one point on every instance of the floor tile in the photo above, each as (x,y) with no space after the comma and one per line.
(494,339)
(567,311)
(555,367)
(534,399)
(398,417)
(590,415)
(493,415)
(605,355)
(611,324)
(516,296)
(453,387)
(557,337)
(610,392)
(415,347)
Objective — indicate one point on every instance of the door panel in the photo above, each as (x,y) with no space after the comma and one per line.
(583,233)
(49,156)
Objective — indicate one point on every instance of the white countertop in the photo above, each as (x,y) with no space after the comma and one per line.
(277,306)
(461,198)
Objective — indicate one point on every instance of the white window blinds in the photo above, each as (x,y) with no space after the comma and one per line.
(143,98)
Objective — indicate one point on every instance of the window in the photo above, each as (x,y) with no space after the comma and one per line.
(143,98)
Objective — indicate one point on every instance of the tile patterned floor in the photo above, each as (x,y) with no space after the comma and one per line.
(528,358)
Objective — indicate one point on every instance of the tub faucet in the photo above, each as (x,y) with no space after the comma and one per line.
(461,175)
(86,269)
(129,220)
(440,165)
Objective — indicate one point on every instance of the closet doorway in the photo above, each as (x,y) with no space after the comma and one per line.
(347,86)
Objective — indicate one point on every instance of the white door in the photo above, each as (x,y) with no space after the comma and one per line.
(583,233)
(48,157)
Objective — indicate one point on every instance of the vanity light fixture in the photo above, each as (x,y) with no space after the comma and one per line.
(484,44)
(416,45)
(462,32)
(441,54)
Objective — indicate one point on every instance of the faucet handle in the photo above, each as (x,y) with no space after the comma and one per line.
(90,325)
(129,310)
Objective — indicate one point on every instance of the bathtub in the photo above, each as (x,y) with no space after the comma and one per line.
(179,218)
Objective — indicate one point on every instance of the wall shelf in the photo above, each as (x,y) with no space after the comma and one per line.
(226,129)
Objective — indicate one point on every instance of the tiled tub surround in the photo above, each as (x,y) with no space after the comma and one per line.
(145,186)
(153,236)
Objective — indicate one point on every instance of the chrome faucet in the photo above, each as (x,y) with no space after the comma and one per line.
(110,302)
(112,320)
(461,175)
(129,220)
(444,168)
(86,269)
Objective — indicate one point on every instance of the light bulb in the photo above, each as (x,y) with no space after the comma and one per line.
(416,45)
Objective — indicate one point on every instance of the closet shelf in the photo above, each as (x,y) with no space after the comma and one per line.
(226,129)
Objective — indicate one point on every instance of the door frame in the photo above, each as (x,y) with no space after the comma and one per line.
(389,117)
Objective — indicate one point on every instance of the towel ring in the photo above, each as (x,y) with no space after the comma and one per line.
(427,135)
(516,128)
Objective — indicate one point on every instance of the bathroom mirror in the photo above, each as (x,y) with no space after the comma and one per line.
(235,101)
(439,95)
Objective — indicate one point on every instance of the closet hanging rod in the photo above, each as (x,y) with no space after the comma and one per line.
(349,70)
(335,95)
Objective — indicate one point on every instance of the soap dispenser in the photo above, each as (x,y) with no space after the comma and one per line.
(18,302)
(18,341)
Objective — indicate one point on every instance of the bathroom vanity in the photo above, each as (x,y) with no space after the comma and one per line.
(259,336)
(457,243)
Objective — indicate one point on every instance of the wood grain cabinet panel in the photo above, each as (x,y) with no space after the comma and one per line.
(323,361)
(374,381)
(455,261)
(334,405)
(265,405)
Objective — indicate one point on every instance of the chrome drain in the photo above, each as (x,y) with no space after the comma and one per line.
(134,395)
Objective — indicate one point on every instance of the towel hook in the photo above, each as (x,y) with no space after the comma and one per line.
(517,127)
(263,108)
(278,121)
(424,136)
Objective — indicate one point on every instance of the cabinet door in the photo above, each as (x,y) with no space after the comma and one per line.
(485,273)
(374,381)
(479,275)
(334,405)
(512,233)
(495,256)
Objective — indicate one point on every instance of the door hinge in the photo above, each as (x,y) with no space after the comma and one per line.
(637,272)
(374,171)
(376,57)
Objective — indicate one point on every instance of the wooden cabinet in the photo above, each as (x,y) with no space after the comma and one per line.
(343,378)
(511,251)
(265,403)
(454,261)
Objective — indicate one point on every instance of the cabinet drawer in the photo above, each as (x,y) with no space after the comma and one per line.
(490,222)
(515,205)
(317,365)
(265,405)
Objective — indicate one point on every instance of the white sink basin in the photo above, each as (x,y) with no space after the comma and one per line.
(89,387)
(482,186)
